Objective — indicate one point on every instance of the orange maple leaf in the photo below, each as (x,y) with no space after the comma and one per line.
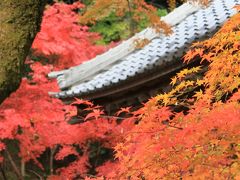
(207,57)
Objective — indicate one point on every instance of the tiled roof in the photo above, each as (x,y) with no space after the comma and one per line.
(195,23)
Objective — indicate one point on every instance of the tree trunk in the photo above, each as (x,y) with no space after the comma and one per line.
(19,23)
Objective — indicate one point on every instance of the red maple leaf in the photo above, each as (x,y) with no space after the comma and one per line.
(124,110)
(82,101)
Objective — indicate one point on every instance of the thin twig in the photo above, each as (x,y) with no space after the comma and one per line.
(52,152)
(14,166)
(180,128)
(3,173)
(82,119)
(23,168)
(36,174)
(110,117)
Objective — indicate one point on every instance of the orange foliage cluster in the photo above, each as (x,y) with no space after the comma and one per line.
(191,132)
(136,9)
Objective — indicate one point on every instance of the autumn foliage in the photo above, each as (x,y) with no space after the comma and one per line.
(62,39)
(190,132)
(38,123)
(136,10)
(201,140)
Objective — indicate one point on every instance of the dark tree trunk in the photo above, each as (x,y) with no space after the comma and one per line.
(19,23)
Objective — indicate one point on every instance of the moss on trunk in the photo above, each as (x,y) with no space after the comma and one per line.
(19,23)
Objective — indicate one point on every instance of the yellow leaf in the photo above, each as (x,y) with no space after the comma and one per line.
(173,80)
(198,94)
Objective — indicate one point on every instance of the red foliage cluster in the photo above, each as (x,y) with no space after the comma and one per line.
(39,122)
(63,40)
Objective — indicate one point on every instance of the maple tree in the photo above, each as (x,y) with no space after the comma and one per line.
(192,131)
(38,122)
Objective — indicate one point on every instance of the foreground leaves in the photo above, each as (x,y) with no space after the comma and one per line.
(201,140)
(190,132)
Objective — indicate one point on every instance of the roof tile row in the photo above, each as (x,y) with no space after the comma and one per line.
(201,24)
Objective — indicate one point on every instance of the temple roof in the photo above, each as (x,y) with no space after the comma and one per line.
(108,72)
